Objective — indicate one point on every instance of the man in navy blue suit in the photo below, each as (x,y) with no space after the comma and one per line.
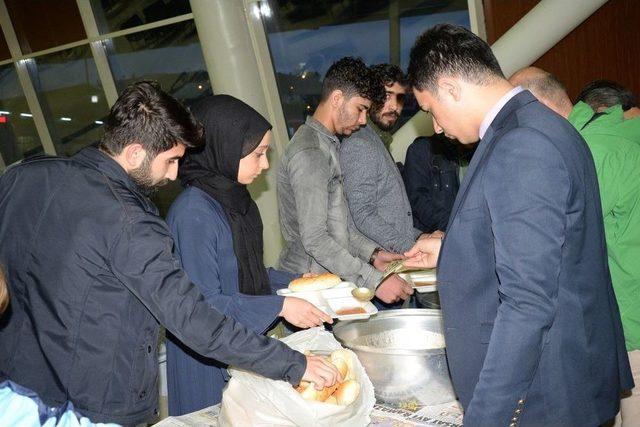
(531,322)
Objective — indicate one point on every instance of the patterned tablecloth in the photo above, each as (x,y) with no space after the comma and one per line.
(447,415)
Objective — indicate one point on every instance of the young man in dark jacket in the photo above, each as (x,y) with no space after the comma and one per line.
(92,273)
(432,178)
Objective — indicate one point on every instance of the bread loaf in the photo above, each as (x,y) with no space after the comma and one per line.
(347,392)
(331,400)
(343,360)
(315,283)
(326,392)
(341,365)
(308,391)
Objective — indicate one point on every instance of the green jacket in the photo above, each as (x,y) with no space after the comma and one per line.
(631,128)
(615,147)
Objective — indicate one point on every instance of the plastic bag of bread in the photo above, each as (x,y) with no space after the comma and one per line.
(250,399)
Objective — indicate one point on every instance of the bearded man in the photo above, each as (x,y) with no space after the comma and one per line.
(92,274)
(373,184)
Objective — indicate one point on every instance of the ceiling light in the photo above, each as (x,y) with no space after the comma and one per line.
(65,119)
(99,122)
(256,11)
(265,10)
(26,115)
(94,99)
(261,8)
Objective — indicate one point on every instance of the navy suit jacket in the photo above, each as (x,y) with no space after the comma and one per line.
(531,322)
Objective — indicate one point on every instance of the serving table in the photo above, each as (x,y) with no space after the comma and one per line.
(447,415)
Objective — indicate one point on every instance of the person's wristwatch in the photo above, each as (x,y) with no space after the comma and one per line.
(374,255)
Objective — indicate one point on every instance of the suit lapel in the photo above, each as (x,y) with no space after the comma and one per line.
(485,146)
(476,160)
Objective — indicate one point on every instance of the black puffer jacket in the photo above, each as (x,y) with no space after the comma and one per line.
(91,273)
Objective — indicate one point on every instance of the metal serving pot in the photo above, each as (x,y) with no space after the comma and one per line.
(403,353)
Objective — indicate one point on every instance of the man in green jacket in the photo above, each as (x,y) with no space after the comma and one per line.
(602,94)
(615,149)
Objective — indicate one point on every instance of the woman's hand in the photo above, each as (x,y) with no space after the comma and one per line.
(302,313)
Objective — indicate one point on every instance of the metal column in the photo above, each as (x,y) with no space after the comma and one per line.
(394,32)
(98,52)
(235,51)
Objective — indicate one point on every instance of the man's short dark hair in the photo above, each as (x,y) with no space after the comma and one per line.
(389,74)
(145,114)
(451,50)
(353,78)
(607,93)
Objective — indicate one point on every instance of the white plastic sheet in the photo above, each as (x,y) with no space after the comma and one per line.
(252,400)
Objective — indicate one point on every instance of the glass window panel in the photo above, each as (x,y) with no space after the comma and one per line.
(171,55)
(306,36)
(18,135)
(115,15)
(412,26)
(4,49)
(71,97)
(42,25)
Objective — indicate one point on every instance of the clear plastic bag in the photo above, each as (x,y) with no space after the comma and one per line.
(252,400)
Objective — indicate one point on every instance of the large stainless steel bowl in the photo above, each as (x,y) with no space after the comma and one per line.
(395,348)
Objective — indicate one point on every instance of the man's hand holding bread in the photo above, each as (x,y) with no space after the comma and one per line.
(320,372)
(342,392)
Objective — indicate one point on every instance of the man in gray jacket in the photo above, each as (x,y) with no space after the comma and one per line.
(314,215)
(372,182)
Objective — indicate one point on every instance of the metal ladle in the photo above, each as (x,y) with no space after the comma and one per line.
(362,294)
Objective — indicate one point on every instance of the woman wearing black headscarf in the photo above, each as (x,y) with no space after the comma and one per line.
(218,234)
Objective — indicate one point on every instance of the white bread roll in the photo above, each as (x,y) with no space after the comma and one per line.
(316,283)
(326,392)
(307,391)
(340,358)
(347,392)
(331,400)
(342,367)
